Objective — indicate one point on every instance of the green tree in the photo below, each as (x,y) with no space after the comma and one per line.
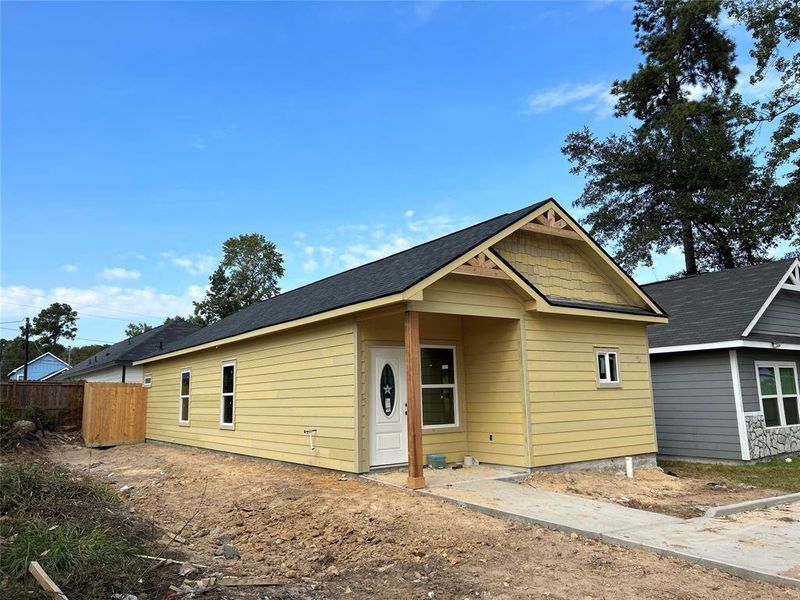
(775,27)
(248,273)
(179,319)
(12,355)
(53,323)
(684,175)
(134,329)
(76,354)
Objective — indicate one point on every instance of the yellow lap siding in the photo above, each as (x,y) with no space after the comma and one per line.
(467,295)
(572,418)
(285,383)
(494,396)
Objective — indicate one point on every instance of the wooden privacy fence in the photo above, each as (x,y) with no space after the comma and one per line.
(60,402)
(108,414)
(113,413)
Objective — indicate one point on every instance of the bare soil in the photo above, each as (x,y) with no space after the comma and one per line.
(650,489)
(325,535)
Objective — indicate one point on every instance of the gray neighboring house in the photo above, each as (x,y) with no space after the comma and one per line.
(724,369)
(114,364)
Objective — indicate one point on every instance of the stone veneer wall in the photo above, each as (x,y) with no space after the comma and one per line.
(769,442)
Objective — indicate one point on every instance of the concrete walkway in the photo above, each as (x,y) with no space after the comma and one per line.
(761,544)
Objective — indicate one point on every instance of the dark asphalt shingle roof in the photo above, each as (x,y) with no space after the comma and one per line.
(391,275)
(131,349)
(712,307)
(594,305)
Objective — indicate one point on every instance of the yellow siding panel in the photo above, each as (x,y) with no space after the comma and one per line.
(495,400)
(285,383)
(468,295)
(572,418)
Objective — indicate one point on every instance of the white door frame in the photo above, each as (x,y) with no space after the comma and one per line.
(388,434)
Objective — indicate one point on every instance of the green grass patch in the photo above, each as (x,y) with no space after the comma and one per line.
(80,532)
(775,474)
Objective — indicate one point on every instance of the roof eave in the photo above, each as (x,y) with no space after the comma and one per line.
(725,345)
(411,292)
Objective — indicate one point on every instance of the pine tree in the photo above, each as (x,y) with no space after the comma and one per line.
(775,27)
(249,272)
(53,323)
(684,175)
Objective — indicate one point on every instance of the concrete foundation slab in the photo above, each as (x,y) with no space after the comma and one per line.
(446,477)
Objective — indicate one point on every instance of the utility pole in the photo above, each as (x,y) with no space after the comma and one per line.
(27,336)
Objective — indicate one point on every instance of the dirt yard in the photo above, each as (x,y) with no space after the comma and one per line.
(651,489)
(325,535)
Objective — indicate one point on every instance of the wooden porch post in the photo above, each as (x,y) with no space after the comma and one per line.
(416,479)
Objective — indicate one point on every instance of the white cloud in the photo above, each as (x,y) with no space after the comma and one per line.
(349,246)
(196,264)
(430,224)
(582,97)
(112,273)
(424,11)
(69,268)
(201,142)
(760,90)
(109,301)
(409,214)
(664,265)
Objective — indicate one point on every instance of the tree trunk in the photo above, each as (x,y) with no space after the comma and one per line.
(726,256)
(688,249)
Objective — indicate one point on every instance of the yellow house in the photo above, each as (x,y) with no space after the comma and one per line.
(517,341)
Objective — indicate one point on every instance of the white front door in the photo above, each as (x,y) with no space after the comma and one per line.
(387,407)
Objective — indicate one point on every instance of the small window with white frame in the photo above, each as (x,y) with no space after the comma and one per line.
(148,380)
(777,390)
(227,406)
(184,405)
(439,393)
(607,364)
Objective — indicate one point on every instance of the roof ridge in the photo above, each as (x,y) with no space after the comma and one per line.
(395,254)
(720,272)
(351,286)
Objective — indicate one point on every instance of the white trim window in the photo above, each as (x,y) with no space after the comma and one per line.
(148,380)
(607,365)
(778,392)
(439,390)
(184,402)
(227,400)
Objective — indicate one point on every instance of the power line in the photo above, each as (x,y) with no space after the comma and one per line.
(76,337)
(120,312)
(8,322)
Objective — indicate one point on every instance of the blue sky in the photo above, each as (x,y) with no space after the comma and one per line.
(137,137)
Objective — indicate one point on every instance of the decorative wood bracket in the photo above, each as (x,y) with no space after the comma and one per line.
(550,223)
(793,281)
(481,266)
